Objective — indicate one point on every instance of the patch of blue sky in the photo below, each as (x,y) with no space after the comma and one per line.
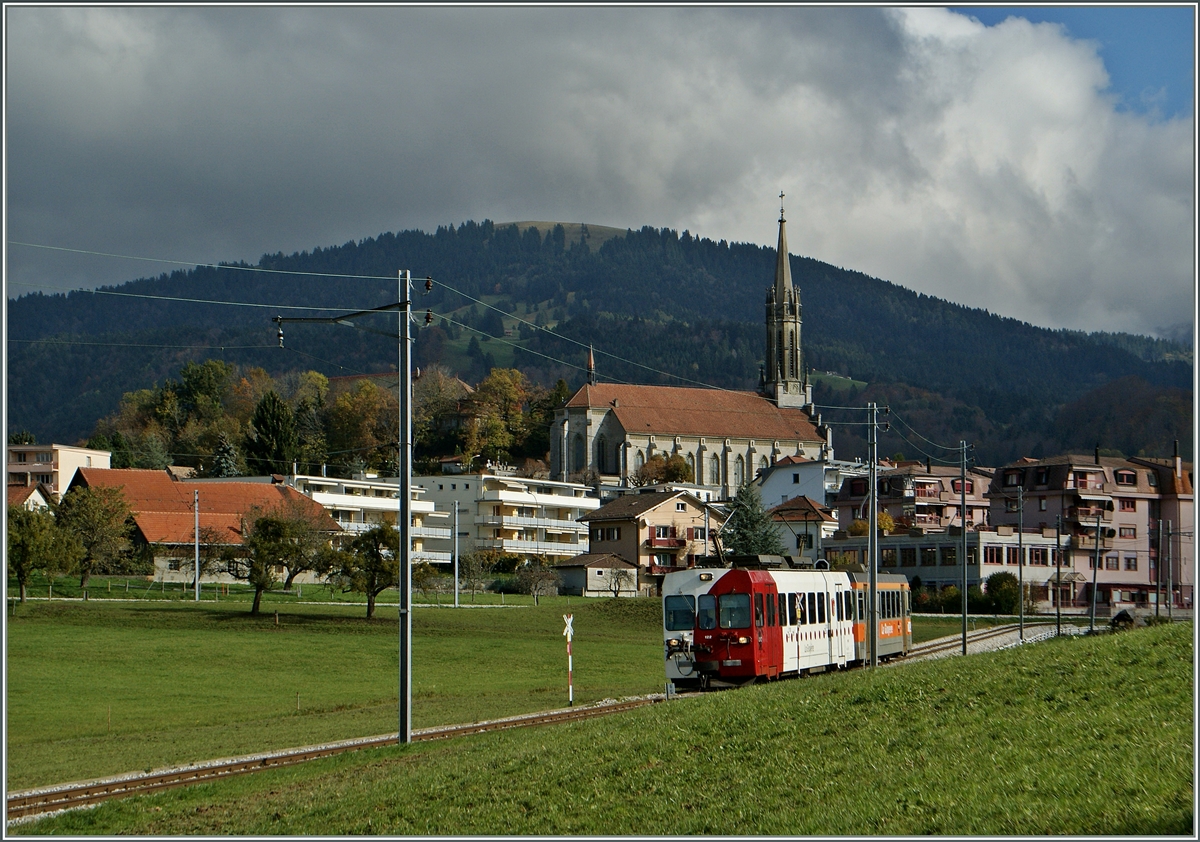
(1148,51)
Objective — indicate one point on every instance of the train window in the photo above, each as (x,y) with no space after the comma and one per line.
(758,610)
(791,609)
(862,606)
(706,617)
(771,602)
(849,595)
(783,611)
(803,610)
(821,608)
(679,613)
(734,610)
(835,607)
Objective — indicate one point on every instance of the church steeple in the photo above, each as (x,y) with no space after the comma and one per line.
(785,376)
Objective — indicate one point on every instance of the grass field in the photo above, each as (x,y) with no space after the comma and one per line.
(105,687)
(1082,736)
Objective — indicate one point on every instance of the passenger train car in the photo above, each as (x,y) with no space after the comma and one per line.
(731,626)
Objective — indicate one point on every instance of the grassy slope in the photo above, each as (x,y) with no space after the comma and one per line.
(1071,736)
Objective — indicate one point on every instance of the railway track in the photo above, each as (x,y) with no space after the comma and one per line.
(952,644)
(35,802)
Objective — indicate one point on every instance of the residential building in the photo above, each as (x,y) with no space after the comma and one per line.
(368,501)
(28,496)
(916,495)
(164,515)
(51,465)
(659,531)
(515,516)
(817,479)
(805,526)
(597,574)
(1111,507)
(933,559)
(606,431)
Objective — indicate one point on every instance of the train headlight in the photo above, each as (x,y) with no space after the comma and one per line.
(743,640)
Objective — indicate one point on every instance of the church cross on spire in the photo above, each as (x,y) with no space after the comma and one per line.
(781,206)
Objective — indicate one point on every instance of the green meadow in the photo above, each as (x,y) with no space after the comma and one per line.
(1072,736)
(104,687)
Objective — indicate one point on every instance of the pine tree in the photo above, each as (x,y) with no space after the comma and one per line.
(224,459)
(274,445)
(750,530)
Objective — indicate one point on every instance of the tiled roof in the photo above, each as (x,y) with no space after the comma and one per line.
(162,507)
(801,509)
(676,410)
(18,494)
(596,560)
(629,506)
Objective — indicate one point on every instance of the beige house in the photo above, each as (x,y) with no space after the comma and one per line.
(659,531)
(597,574)
(51,465)
(918,496)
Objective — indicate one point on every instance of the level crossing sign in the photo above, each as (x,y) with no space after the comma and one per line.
(568,633)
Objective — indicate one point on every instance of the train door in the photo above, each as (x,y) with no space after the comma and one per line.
(839,618)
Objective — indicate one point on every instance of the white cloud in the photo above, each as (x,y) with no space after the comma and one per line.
(986,165)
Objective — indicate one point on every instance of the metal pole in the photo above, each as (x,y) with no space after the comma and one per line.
(962,546)
(1170,577)
(1158,564)
(1095,574)
(873,538)
(196,506)
(1058,574)
(1021,555)
(404,523)
(455,553)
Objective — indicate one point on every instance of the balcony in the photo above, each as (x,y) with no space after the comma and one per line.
(1087,542)
(432,558)
(666,543)
(573,527)
(432,532)
(663,569)
(551,548)
(1085,514)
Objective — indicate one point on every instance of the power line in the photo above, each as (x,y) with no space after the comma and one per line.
(929,441)
(198,263)
(140,345)
(182,300)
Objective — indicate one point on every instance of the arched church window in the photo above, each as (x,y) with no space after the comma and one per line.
(579,454)
(714,470)
(691,460)
(739,472)
(762,464)
(639,460)
(792,354)
(602,465)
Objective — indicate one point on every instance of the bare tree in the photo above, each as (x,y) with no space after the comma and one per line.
(475,568)
(537,579)
(622,580)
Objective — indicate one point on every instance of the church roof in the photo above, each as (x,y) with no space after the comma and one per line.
(685,411)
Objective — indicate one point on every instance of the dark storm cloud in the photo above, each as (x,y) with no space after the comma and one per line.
(982,165)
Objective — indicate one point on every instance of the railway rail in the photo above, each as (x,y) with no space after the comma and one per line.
(35,802)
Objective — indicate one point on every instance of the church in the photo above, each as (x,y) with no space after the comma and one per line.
(727,437)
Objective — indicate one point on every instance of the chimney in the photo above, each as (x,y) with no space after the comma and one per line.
(928,466)
(1178,462)
(1097,453)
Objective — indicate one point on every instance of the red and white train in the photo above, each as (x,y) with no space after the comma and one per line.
(730,626)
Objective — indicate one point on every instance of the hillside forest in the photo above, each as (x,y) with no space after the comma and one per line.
(178,366)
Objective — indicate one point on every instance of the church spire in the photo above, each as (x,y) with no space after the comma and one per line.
(785,379)
(783,268)
(591,367)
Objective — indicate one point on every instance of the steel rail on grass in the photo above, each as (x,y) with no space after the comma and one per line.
(68,796)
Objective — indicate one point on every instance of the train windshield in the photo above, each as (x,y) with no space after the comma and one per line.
(735,610)
(680,613)
(707,614)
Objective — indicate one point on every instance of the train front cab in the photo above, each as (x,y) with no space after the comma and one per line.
(895,615)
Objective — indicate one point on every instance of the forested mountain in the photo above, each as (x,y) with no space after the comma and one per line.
(653,302)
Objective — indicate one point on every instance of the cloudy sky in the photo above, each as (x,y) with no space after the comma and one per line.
(1043,170)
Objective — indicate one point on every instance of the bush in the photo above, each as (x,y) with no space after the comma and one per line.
(1005,592)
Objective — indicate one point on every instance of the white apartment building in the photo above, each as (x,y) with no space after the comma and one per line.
(518,516)
(817,479)
(52,465)
(368,501)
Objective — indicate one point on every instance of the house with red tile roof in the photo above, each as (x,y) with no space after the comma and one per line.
(804,525)
(609,430)
(28,496)
(163,510)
